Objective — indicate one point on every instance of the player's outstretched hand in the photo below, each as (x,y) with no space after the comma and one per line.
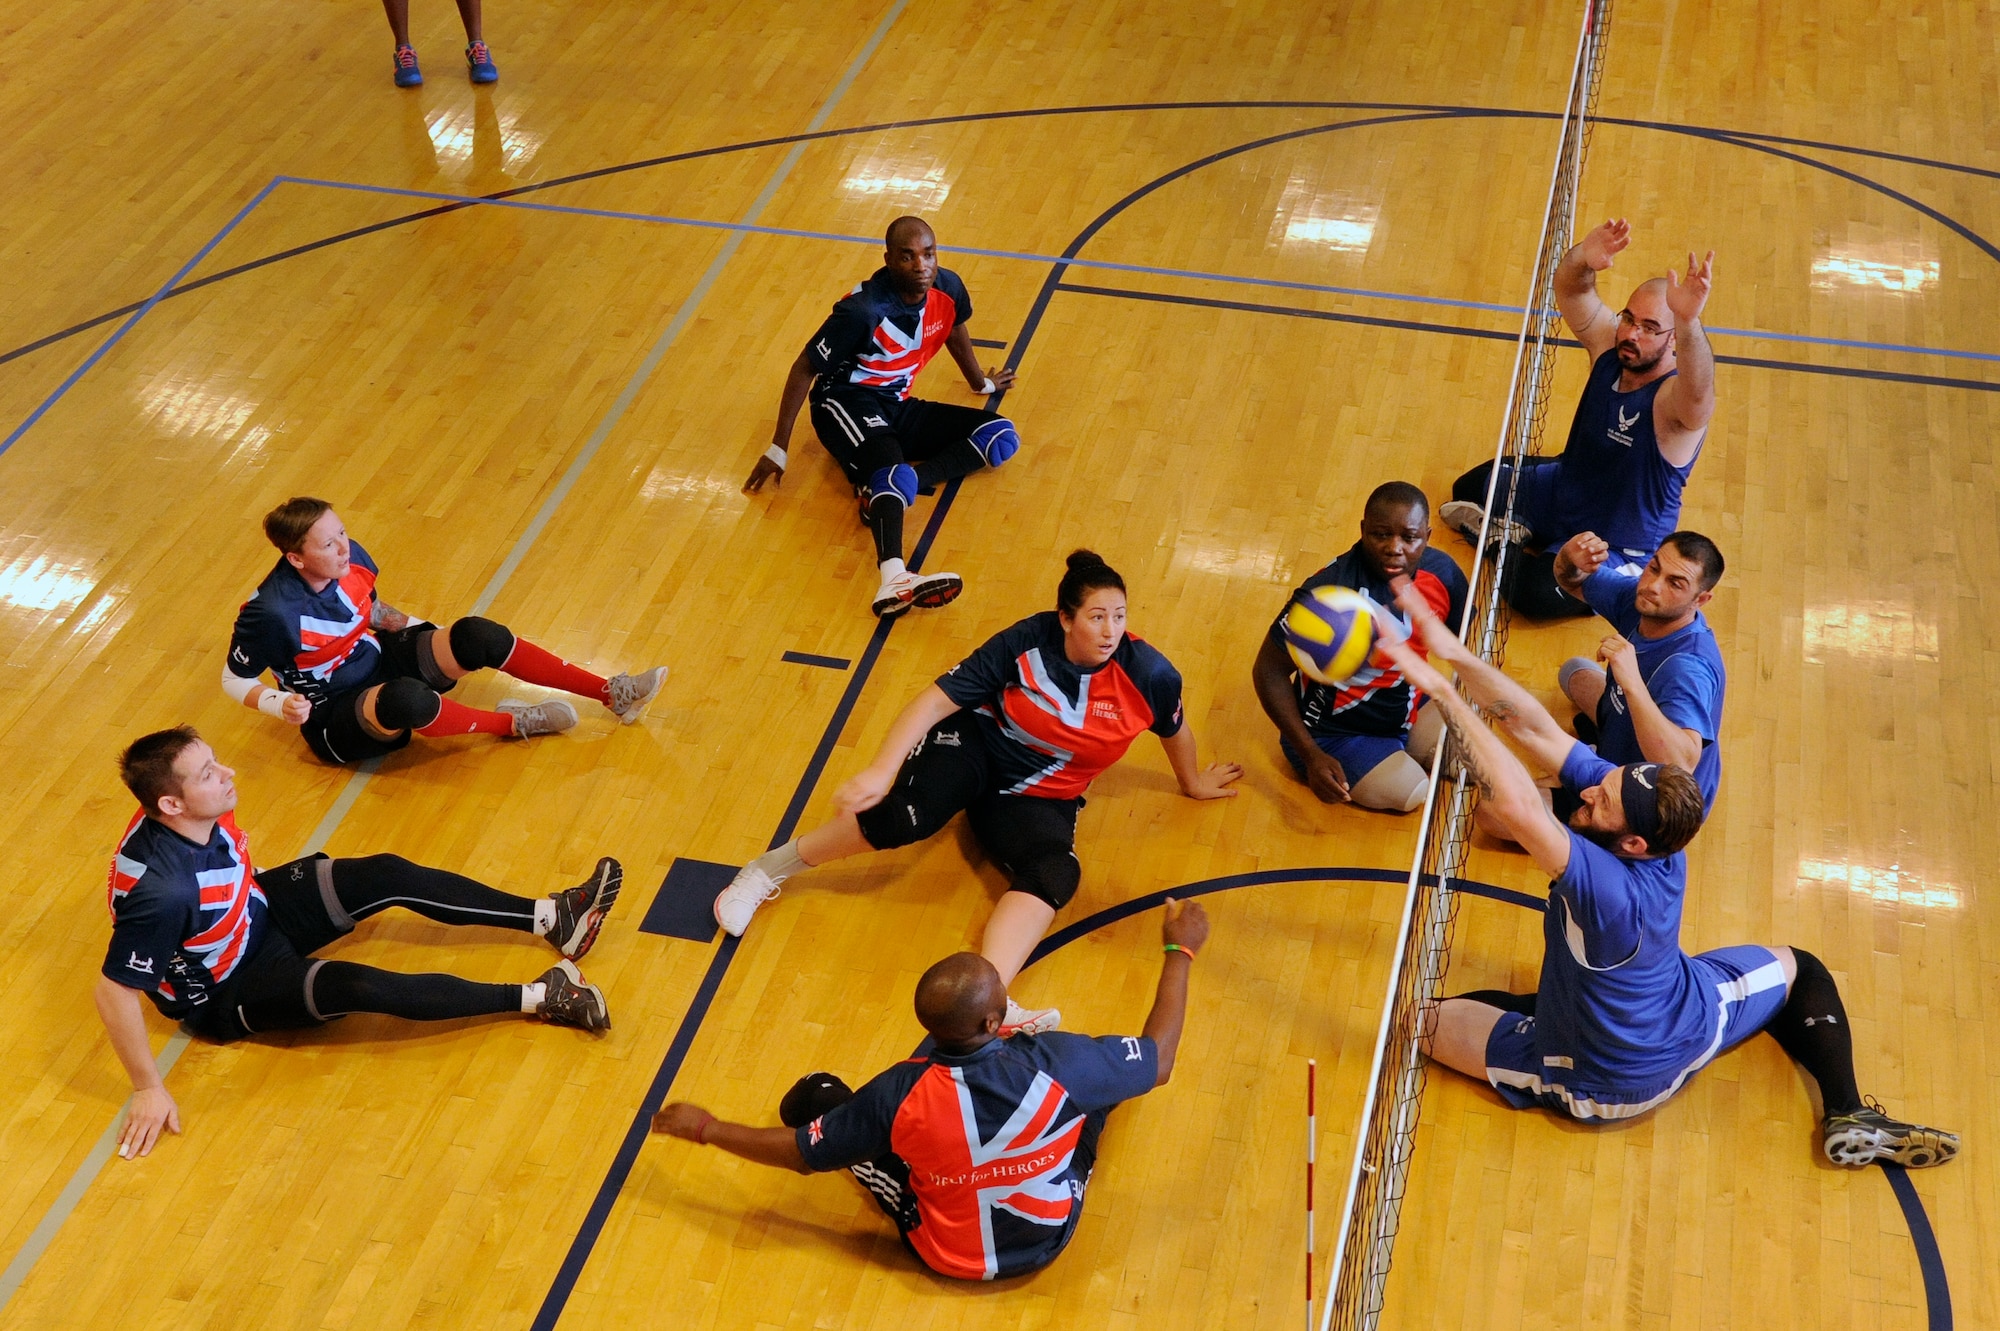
(152,1110)
(765,470)
(864,790)
(1185,925)
(1601,246)
(682,1120)
(298,709)
(1003,379)
(1215,782)
(1438,639)
(1581,555)
(1326,776)
(1422,675)
(1685,297)
(1622,660)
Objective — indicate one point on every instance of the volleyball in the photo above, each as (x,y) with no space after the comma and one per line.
(1330,631)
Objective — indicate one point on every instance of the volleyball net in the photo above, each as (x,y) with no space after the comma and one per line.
(1366,1225)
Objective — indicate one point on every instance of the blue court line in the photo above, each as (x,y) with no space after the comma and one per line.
(824,662)
(1930,1261)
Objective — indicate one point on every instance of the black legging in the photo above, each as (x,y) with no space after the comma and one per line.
(1529,581)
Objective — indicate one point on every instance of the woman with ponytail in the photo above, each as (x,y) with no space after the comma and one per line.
(1012,736)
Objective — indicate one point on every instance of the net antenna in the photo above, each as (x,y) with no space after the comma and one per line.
(1365,1236)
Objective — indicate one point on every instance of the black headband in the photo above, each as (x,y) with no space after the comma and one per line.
(1640,789)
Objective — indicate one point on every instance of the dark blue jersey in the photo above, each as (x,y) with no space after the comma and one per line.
(184,916)
(1683,673)
(316,643)
(990,1139)
(1610,478)
(873,340)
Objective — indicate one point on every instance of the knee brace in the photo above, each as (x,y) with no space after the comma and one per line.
(1571,668)
(407,704)
(481,644)
(1052,878)
(996,441)
(899,481)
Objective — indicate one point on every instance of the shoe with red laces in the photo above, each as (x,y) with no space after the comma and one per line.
(407,73)
(480,61)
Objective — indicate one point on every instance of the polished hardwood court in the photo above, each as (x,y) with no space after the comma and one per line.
(1320,223)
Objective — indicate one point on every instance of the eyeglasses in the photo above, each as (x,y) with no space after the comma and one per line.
(1646,326)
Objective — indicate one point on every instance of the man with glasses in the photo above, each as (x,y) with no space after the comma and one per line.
(1633,444)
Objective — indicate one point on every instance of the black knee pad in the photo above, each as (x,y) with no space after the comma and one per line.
(407,704)
(481,644)
(904,818)
(812,1095)
(1051,878)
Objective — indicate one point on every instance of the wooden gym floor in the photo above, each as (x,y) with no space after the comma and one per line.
(548,411)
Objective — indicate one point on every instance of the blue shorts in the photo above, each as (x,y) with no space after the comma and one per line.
(1358,755)
(1749,988)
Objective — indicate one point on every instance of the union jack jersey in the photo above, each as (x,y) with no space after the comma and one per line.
(1051,726)
(991,1139)
(316,643)
(1377,700)
(183,915)
(873,340)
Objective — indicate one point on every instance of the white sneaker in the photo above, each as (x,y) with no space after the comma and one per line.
(631,693)
(1465,517)
(925,591)
(1029,1021)
(749,889)
(538,718)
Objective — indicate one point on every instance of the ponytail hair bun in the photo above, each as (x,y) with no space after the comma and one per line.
(1087,572)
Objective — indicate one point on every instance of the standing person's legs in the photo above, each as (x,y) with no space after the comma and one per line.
(399,19)
(469,15)
(1034,840)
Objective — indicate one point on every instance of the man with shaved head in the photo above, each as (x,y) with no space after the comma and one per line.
(858,369)
(1633,444)
(979,1148)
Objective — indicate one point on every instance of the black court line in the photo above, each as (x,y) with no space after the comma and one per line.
(1937,1290)
(989,342)
(823,662)
(1487,334)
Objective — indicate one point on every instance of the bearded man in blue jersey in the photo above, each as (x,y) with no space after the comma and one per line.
(1622,1016)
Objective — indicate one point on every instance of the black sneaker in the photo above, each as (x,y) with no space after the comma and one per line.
(580,911)
(1868,1134)
(812,1095)
(570,1000)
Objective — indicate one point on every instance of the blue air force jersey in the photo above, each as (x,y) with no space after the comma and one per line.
(1050,726)
(990,1138)
(183,915)
(1610,478)
(1683,672)
(1620,1009)
(316,643)
(873,340)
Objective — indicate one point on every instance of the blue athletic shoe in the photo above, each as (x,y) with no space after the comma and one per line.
(480,61)
(407,73)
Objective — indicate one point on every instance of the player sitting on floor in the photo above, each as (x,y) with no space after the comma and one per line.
(1366,740)
(892,446)
(980,1149)
(1622,1016)
(227,949)
(357,676)
(1013,735)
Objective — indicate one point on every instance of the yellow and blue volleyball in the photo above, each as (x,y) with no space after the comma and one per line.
(1330,631)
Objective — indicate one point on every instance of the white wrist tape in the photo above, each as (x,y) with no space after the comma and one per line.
(273,703)
(775,456)
(987,387)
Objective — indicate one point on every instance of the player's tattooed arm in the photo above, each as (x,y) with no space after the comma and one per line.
(1460,723)
(387,617)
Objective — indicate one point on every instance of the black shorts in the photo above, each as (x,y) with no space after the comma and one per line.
(866,431)
(270,990)
(1031,836)
(335,731)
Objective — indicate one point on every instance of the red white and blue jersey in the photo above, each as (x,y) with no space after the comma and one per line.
(1377,700)
(1050,726)
(873,340)
(316,643)
(184,915)
(990,1138)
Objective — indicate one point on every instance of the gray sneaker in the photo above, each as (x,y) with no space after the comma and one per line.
(1465,518)
(538,718)
(631,693)
(570,1000)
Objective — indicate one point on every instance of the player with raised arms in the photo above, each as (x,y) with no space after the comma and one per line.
(857,371)
(227,949)
(357,676)
(1622,1016)
(1012,735)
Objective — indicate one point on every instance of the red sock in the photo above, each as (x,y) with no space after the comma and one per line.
(458,719)
(533,665)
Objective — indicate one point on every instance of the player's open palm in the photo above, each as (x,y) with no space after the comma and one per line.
(1601,246)
(1686,296)
(1217,781)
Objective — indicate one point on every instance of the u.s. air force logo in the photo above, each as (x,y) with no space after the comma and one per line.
(1623,434)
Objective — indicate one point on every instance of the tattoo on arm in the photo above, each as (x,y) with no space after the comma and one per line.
(1500,709)
(1468,754)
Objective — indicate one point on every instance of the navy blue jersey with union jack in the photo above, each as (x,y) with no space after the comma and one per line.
(873,340)
(1051,726)
(991,1140)
(183,915)
(1377,700)
(316,643)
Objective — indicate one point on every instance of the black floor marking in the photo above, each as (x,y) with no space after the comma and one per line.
(823,662)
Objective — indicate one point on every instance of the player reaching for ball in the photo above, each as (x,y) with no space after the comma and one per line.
(858,370)
(357,676)
(1363,737)
(1012,735)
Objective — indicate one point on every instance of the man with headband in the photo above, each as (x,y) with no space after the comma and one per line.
(1623,1017)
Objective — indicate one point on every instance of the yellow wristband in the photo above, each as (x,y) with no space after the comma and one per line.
(1187,952)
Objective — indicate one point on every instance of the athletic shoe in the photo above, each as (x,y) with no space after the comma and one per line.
(580,911)
(1868,1134)
(480,61)
(1464,518)
(925,591)
(1028,1021)
(735,904)
(538,718)
(407,73)
(812,1095)
(570,1000)
(631,693)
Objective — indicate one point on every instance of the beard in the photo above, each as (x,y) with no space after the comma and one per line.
(1637,364)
